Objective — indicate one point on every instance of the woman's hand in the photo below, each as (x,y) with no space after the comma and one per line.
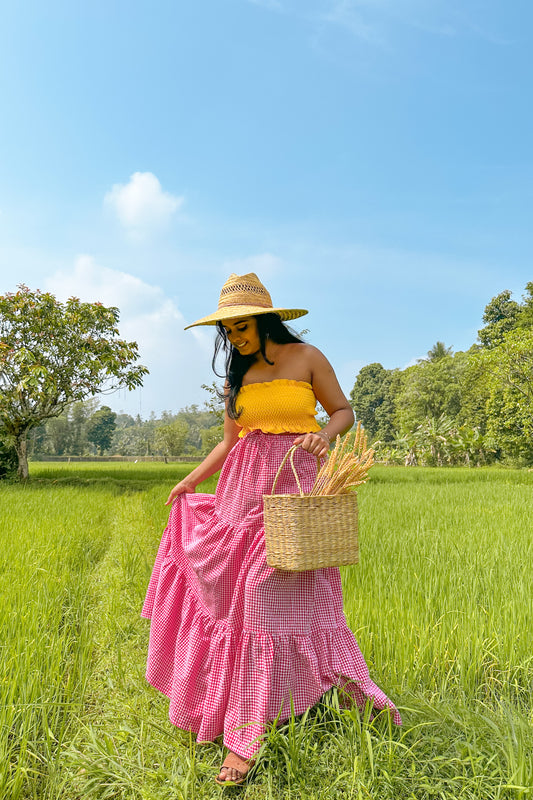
(315,443)
(182,487)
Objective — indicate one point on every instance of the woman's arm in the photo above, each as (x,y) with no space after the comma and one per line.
(330,395)
(211,463)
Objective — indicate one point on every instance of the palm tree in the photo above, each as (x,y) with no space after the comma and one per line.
(433,436)
(438,351)
(470,445)
(404,446)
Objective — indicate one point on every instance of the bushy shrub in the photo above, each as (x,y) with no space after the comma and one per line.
(8,460)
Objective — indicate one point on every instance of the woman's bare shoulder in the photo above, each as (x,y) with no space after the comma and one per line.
(302,348)
(305,353)
(307,359)
(294,360)
(313,355)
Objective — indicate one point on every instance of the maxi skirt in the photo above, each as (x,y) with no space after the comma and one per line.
(233,642)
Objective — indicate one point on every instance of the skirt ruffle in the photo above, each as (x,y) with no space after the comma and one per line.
(235,644)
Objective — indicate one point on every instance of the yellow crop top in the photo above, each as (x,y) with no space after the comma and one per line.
(278,406)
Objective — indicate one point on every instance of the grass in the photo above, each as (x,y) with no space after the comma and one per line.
(441,604)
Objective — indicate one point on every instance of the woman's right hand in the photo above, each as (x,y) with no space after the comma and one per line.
(182,487)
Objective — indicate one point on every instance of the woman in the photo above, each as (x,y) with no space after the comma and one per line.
(233,642)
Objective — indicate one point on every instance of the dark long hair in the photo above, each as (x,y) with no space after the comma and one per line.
(269,326)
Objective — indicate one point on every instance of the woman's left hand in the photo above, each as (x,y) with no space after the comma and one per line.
(315,443)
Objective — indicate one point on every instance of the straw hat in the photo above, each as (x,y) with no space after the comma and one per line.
(245,296)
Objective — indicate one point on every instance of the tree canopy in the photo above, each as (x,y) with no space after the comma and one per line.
(371,398)
(53,354)
(101,427)
(468,407)
(8,460)
(501,315)
(438,351)
(171,437)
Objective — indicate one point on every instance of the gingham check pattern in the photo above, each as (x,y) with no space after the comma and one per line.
(232,641)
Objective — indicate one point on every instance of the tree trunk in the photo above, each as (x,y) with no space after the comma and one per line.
(21,445)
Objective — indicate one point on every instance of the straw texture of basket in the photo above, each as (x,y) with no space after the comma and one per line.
(304,532)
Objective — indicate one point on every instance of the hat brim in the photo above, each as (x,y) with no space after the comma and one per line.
(233,312)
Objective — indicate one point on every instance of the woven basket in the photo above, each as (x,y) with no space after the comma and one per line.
(309,531)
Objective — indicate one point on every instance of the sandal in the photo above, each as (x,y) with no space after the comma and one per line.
(236,768)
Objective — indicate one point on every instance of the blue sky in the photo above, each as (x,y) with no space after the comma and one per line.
(371,160)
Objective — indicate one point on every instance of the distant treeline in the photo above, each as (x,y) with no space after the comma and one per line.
(84,429)
(471,407)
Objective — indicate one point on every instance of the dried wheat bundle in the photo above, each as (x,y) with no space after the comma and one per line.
(346,466)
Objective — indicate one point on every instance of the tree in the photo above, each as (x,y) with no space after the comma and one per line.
(429,389)
(372,399)
(170,438)
(469,446)
(126,439)
(211,437)
(58,433)
(101,427)
(215,403)
(501,315)
(511,364)
(52,354)
(468,407)
(508,372)
(438,351)
(79,415)
(474,391)
(433,438)
(8,460)
(38,440)
(526,317)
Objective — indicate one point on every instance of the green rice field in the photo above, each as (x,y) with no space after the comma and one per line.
(441,604)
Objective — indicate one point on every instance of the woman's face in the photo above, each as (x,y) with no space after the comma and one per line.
(243,335)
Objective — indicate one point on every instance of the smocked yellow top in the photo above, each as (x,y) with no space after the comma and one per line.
(278,406)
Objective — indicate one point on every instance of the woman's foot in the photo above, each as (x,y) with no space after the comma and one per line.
(233,770)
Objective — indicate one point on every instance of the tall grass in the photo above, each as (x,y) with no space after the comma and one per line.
(441,603)
(48,546)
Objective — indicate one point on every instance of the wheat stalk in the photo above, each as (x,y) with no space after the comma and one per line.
(347,465)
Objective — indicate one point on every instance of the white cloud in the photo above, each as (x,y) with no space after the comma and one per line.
(265,265)
(141,205)
(178,360)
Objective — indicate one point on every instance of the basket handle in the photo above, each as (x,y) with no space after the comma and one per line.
(290,454)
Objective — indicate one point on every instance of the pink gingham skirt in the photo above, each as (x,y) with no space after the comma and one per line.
(232,641)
